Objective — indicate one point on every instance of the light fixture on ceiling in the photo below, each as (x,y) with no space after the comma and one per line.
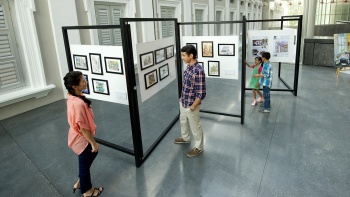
(299,3)
(345,1)
(280,4)
(333,1)
(321,1)
(290,3)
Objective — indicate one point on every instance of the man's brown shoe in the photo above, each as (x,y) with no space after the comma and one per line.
(194,152)
(181,141)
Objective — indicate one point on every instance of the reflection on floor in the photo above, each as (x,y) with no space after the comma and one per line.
(301,148)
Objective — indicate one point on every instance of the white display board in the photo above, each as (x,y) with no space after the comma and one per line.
(105,70)
(156,66)
(218,54)
(281,44)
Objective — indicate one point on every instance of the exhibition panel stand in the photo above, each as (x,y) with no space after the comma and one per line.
(243,77)
(127,51)
(299,19)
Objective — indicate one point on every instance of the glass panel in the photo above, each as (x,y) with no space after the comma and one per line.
(332,19)
(345,9)
(333,8)
(326,22)
(338,8)
(345,17)
(328,8)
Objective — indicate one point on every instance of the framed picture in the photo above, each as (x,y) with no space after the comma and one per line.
(214,68)
(160,55)
(163,71)
(87,90)
(170,51)
(100,86)
(114,65)
(80,62)
(207,49)
(226,49)
(194,44)
(201,64)
(96,63)
(151,78)
(146,60)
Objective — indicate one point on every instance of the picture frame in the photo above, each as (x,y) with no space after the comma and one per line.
(87,90)
(201,64)
(80,62)
(146,60)
(96,63)
(214,68)
(207,49)
(151,78)
(163,71)
(160,55)
(194,44)
(226,49)
(100,86)
(169,51)
(114,65)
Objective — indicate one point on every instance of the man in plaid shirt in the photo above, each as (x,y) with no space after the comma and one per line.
(193,92)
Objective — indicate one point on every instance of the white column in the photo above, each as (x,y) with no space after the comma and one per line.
(311,13)
(211,11)
(265,14)
(187,17)
(238,14)
(227,16)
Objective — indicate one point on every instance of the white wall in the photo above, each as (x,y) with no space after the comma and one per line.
(63,13)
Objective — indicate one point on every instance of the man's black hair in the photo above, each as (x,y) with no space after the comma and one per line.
(190,49)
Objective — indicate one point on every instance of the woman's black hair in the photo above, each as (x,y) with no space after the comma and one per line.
(73,79)
(259,58)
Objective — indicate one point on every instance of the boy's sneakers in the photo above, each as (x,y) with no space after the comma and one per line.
(261,99)
(264,110)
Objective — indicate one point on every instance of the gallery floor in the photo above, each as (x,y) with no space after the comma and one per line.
(301,148)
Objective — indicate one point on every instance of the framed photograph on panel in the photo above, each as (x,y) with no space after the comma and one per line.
(226,49)
(170,51)
(163,71)
(202,64)
(214,68)
(114,65)
(96,63)
(87,90)
(146,60)
(194,44)
(207,49)
(80,62)
(151,78)
(100,86)
(160,55)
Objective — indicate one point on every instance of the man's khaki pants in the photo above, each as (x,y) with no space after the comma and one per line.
(191,120)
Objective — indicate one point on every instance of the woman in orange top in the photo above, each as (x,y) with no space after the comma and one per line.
(81,131)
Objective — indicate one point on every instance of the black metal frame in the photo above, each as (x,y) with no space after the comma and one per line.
(244,33)
(298,18)
(124,26)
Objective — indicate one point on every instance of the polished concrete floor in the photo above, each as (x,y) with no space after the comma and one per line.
(301,148)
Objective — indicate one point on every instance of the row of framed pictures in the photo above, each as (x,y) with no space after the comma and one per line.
(213,68)
(154,57)
(151,78)
(100,86)
(208,50)
(112,64)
